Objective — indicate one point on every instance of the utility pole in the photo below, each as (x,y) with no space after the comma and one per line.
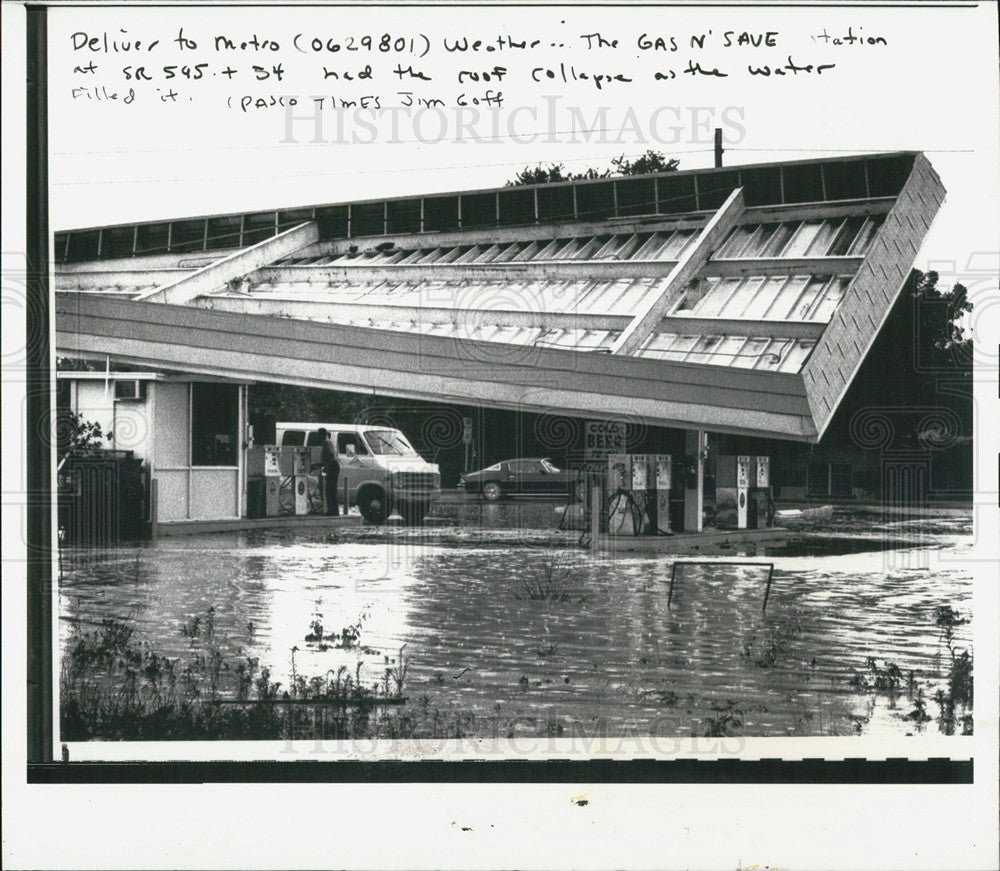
(718,147)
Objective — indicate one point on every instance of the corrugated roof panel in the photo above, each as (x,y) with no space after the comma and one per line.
(796,356)
(719,293)
(668,346)
(607,250)
(738,239)
(862,242)
(801,239)
(654,242)
(832,295)
(567,250)
(628,245)
(547,249)
(510,252)
(750,353)
(528,252)
(490,254)
(783,304)
(772,354)
(411,258)
(824,238)
(674,245)
(811,297)
(774,243)
(728,351)
(763,296)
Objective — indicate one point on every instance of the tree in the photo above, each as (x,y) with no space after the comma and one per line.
(77,436)
(285,402)
(650,161)
(939,316)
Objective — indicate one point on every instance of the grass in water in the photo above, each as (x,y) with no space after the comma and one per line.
(115,686)
(954,699)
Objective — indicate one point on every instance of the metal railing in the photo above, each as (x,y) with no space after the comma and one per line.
(673,574)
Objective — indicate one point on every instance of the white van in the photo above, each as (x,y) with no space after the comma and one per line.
(379,469)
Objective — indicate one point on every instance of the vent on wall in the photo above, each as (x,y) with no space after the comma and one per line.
(130,389)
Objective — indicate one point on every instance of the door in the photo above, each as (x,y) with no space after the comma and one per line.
(531,476)
(353,468)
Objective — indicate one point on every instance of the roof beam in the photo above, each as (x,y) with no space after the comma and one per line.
(693,325)
(818,211)
(100,280)
(539,270)
(433,367)
(366,272)
(522,233)
(693,259)
(744,266)
(475,319)
(236,265)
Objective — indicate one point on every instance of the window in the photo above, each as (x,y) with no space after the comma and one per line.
(214,424)
(523,467)
(293,438)
(350,438)
(315,439)
(389,441)
(549,467)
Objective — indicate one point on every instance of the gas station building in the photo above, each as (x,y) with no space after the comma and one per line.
(723,309)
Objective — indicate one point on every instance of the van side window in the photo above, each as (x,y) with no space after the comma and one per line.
(350,438)
(315,440)
(293,438)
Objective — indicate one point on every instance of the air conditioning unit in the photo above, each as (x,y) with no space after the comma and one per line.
(130,389)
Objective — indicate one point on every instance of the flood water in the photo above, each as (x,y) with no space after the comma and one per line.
(531,630)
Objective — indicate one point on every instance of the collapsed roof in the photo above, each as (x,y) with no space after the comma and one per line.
(740,299)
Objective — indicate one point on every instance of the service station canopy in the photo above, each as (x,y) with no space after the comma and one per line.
(740,299)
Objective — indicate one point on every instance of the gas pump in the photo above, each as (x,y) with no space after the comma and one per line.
(300,480)
(760,500)
(620,516)
(746,480)
(742,491)
(644,502)
(638,490)
(272,481)
(619,472)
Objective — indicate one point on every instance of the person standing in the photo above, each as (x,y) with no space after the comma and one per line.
(331,472)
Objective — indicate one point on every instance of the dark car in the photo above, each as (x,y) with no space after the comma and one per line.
(526,475)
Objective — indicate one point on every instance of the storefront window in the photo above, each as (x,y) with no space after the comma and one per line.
(214,424)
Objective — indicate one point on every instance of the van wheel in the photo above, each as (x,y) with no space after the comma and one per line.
(373,505)
(492,491)
(413,513)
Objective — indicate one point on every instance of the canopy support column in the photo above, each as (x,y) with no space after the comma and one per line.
(695,442)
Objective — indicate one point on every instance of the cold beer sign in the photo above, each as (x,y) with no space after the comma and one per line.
(604,437)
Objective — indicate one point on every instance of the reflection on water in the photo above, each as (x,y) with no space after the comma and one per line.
(533,628)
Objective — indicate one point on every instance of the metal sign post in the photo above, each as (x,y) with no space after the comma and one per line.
(467,439)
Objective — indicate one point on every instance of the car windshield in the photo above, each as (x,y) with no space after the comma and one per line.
(388,441)
(547,465)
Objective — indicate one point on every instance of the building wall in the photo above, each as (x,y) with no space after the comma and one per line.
(158,431)
(186,491)
(129,421)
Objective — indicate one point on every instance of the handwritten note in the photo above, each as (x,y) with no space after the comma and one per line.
(247,71)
